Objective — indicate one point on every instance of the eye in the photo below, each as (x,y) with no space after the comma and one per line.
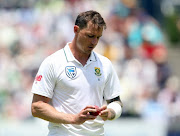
(90,36)
(99,37)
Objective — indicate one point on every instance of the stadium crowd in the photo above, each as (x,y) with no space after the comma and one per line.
(133,41)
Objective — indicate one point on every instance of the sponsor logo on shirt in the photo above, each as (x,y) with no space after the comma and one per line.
(71,71)
(97,71)
(38,78)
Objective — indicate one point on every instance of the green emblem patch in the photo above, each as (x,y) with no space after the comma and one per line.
(97,71)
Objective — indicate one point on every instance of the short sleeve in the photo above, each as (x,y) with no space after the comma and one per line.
(45,79)
(112,86)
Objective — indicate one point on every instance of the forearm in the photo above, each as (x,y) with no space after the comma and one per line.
(47,112)
(112,114)
(114,110)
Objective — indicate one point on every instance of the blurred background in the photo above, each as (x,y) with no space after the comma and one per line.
(142,40)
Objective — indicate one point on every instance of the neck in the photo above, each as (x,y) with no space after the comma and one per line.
(78,54)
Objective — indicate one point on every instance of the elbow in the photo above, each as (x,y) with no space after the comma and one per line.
(34,109)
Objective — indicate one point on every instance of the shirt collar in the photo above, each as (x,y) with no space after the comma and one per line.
(92,57)
(68,53)
(70,56)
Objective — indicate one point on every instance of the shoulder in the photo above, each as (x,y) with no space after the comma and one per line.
(54,60)
(55,57)
(104,60)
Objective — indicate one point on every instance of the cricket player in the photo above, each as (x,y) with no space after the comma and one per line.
(72,84)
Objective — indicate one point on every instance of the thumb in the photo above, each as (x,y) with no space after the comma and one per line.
(103,107)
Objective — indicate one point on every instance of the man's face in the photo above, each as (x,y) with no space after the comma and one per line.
(87,38)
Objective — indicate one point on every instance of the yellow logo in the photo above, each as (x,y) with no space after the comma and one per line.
(97,71)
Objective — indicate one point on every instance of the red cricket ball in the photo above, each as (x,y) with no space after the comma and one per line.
(97,112)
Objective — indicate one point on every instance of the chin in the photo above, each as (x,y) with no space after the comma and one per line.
(88,52)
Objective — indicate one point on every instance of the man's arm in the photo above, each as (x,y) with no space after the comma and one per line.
(112,112)
(42,109)
(109,113)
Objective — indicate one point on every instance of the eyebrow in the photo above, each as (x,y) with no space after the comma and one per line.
(93,34)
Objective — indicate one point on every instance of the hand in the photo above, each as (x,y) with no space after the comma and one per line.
(106,114)
(84,115)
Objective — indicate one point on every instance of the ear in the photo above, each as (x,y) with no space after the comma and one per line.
(76,29)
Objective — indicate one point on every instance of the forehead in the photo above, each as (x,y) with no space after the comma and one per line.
(93,28)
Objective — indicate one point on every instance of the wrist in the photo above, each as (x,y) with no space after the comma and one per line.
(74,119)
(111,114)
(115,110)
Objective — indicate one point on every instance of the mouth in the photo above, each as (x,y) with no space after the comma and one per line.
(90,47)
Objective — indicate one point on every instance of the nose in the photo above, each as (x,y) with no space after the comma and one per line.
(94,41)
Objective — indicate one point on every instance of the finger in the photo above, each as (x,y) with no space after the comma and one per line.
(104,112)
(104,116)
(103,107)
(88,116)
(85,110)
(88,110)
(89,107)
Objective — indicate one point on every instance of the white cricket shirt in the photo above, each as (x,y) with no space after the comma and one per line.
(72,86)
